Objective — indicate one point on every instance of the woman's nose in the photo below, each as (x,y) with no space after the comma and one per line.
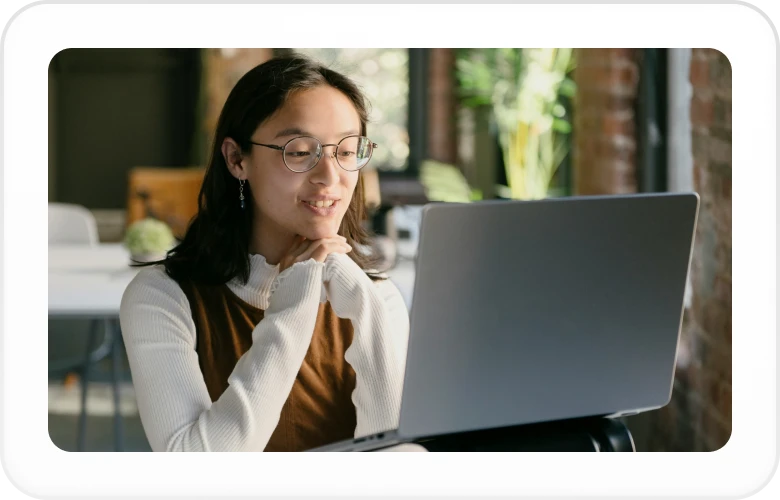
(327,170)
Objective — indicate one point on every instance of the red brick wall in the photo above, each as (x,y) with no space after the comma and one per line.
(604,154)
(442,106)
(698,418)
(704,386)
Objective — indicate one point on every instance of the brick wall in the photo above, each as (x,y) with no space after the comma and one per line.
(604,154)
(699,415)
(698,418)
(442,106)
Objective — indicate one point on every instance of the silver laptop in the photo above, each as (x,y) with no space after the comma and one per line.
(534,311)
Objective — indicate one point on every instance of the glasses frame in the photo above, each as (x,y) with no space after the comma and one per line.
(322,148)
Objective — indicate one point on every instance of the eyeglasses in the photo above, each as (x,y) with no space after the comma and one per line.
(302,154)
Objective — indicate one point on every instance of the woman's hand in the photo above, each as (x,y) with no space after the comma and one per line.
(303,249)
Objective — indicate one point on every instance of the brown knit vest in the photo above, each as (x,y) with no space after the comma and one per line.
(319,409)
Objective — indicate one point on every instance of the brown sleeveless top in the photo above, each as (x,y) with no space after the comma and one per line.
(319,409)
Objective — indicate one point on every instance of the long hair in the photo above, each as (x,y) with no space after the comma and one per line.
(215,248)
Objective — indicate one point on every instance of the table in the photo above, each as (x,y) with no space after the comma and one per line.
(402,275)
(88,282)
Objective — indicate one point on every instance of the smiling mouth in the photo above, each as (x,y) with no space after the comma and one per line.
(320,203)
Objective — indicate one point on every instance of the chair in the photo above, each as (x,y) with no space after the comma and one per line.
(71,224)
(169,194)
(74,224)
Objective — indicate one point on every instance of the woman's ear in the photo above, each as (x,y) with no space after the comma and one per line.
(231,152)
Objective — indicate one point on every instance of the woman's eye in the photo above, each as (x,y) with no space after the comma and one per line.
(298,154)
(346,153)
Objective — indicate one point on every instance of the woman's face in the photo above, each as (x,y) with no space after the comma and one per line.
(285,201)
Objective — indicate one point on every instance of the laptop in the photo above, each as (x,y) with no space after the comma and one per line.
(536,311)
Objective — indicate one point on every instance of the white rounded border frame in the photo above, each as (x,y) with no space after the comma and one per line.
(38,468)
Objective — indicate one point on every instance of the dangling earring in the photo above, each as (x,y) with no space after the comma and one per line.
(241,192)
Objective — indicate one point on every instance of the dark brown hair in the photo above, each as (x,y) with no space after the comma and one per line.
(215,248)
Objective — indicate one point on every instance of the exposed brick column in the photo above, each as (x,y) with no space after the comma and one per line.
(604,155)
(706,382)
(442,106)
(698,417)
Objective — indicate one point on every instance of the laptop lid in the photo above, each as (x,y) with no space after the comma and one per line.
(530,311)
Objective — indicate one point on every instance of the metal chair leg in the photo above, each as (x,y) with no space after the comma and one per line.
(116,373)
(85,374)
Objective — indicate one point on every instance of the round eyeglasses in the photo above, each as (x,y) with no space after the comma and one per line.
(302,154)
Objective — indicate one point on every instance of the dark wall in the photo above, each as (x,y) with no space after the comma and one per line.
(113,109)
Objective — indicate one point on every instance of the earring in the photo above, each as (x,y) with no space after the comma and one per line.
(241,192)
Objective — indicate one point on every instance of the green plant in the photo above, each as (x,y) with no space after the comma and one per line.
(444,182)
(149,236)
(524,88)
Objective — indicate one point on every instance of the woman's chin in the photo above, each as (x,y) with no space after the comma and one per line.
(318,233)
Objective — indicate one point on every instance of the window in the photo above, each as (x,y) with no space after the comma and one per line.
(383,74)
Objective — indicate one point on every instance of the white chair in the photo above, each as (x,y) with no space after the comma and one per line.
(69,223)
(75,224)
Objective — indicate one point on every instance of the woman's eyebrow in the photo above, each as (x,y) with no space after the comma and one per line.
(291,131)
(298,131)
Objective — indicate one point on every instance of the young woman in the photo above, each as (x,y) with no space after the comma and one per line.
(267,328)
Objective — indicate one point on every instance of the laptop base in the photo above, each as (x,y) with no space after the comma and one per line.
(590,434)
(585,434)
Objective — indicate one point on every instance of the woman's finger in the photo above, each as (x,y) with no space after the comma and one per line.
(302,245)
(322,253)
(294,244)
(298,245)
(320,249)
(309,252)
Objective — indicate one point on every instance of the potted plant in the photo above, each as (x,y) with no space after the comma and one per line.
(523,88)
(149,240)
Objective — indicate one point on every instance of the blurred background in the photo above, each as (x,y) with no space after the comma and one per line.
(130,130)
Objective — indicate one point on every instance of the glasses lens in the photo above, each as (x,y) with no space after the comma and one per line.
(302,153)
(354,152)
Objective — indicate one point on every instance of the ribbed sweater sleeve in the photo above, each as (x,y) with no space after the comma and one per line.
(174,405)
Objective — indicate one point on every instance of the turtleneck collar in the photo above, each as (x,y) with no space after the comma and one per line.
(257,290)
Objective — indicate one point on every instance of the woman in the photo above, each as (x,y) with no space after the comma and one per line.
(266,329)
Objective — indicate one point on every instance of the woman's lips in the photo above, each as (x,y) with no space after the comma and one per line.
(323,210)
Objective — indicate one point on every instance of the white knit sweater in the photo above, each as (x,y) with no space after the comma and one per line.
(174,405)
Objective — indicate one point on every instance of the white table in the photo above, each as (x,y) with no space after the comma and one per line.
(88,282)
